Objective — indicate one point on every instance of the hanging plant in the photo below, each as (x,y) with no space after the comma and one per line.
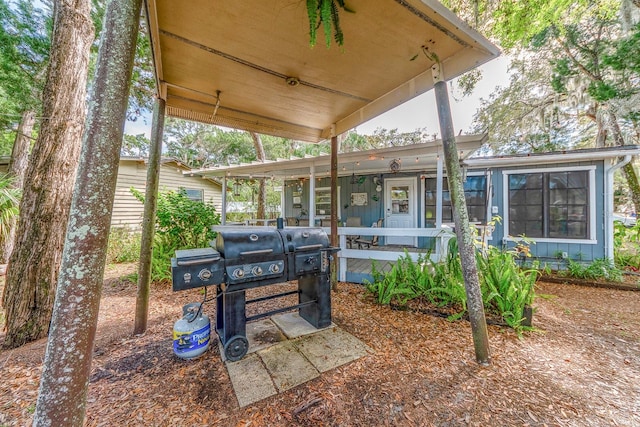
(325,13)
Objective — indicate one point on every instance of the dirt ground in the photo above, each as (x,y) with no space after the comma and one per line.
(580,368)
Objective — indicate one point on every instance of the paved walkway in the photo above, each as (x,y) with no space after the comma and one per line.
(286,351)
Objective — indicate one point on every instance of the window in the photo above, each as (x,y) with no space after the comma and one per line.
(475,193)
(195,194)
(323,202)
(549,204)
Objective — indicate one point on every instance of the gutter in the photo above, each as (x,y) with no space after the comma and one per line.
(608,202)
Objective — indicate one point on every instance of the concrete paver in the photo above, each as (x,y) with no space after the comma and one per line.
(294,326)
(251,380)
(331,348)
(287,366)
(275,364)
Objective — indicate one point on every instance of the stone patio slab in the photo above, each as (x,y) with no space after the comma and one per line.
(251,380)
(294,326)
(287,367)
(331,348)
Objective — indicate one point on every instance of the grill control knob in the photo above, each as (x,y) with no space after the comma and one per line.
(204,274)
(274,268)
(238,272)
(256,271)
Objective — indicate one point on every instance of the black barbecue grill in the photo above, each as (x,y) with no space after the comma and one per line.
(249,257)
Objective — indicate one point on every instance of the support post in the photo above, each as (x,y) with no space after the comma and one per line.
(223,216)
(466,245)
(334,208)
(149,218)
(312,195)
(439,187)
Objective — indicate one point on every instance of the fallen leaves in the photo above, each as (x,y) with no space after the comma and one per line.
(582,370)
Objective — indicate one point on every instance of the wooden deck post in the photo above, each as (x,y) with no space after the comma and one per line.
(149,218)
(466,245)
(334,208)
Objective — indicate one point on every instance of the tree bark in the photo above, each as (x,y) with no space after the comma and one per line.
(628,171)
(149,219)
(262,189)
(44,209)
(17,169)
(466,244)
(67,364)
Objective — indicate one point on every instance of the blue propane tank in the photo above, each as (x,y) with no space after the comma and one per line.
(191,334)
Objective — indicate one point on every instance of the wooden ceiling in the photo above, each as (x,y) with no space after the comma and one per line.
(248,64)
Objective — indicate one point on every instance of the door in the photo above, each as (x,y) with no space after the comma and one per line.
(401,208)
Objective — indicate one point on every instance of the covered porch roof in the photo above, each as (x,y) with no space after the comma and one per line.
(414,157)
(248,64)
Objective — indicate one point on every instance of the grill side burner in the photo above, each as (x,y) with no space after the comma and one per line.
(250,257)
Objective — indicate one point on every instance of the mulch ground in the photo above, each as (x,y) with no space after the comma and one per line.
(580,368)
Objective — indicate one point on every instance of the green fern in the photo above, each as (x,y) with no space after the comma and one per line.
(325,13)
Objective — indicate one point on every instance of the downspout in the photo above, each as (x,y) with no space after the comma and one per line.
(608,201)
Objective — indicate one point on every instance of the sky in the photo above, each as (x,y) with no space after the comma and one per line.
(420,112)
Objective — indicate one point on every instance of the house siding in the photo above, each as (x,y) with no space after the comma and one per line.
(128,211)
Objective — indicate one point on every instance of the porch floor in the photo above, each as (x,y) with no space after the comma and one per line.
(363,266)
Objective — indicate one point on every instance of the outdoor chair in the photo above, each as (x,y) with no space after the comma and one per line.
(353,221)
(362,243)
(291,221)
(303,222)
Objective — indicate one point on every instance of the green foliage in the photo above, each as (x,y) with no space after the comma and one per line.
(325,13)
(598,269)
(124,246)
(181,223)
(9,205)
(626,243)
(392,285)
(506,289)
(135,145)
(24,53)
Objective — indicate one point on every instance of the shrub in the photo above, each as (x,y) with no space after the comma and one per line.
(506,288)
(124,245)
(181,223)
(601,268)
(626,252)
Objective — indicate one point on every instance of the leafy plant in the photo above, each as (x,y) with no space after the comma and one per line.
(181,223)
(626,252)
(325,13)
(9,204)
(506,289)
(601,268)
(124,246)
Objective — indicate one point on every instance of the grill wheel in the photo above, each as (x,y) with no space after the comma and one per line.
(236,348)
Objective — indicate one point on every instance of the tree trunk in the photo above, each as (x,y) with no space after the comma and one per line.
(262,189)
(466,244)
(44,209)
(149,220)
(627,170)
(67,363)
(17,169)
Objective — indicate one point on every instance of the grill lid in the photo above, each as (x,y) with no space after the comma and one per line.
(304,239)
(243,242)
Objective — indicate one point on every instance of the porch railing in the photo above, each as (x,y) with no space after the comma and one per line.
(440,236)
